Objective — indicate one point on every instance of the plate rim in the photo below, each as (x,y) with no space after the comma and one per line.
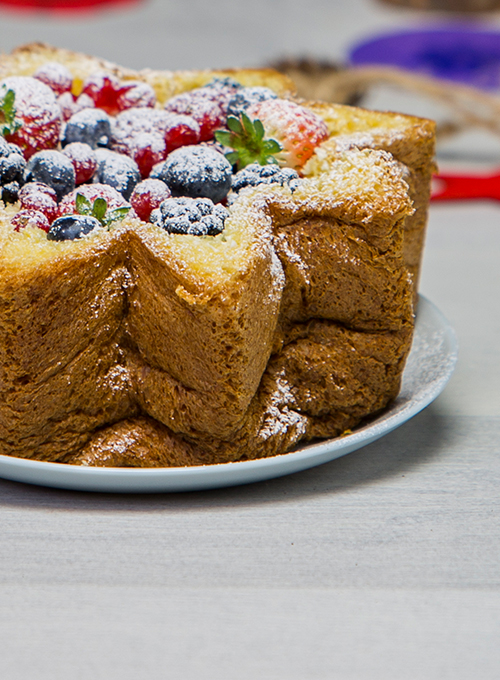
(200,477)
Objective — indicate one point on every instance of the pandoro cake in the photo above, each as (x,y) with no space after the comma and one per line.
(130,339)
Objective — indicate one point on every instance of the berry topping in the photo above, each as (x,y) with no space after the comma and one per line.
(70,227)
(256,174)
(135,94)
(181,131)
(297,129)
(119,171)
(99,210)
(56,76)
(67,105)
(38,200)
(204,105)
(36,113)
(247,138)
(32,218)
(196,216)
(12,163)
(10,192)
(90,126)
(84,160)
(196,171)
(104,90)
(36,188)
(246,96)
(147,196)
(92,192)
(52,168)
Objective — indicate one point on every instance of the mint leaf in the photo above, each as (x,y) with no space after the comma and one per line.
(99,209)
(115,216)
(82,204)
(8,124)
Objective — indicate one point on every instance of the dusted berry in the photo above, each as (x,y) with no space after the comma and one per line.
(37,112)
(196,216)
(120,172)
(134,94)
(56,76)
(10,192)
(202,105)
(41,202)
(32,218)
(90,126)
(104,90)
(92,191)
(246,96)
(70,227)
(52,168)
(181,131)
(84,161)
(67,105)
(255,174)
(35,188)
(196,171)
(297,129)
(12,163)
(147,196)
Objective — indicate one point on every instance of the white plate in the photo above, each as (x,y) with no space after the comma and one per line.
(428,369)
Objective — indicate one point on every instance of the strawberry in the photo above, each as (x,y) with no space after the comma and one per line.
(56,76)
(33,112)
(84,160)
(298,130)
(32,218)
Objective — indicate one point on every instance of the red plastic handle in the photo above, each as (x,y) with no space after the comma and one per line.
(465,187)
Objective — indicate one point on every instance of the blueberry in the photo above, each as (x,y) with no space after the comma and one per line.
(10,192)
(255,174)
(90,126)
(52,168)
(118,171)
(196,171)
(11,167)
(69,227)
(195,216)
(246,97)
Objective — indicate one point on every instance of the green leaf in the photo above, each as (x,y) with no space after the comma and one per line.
(247,139)
(99,209)
(115,215)
(8,112)
(82,204)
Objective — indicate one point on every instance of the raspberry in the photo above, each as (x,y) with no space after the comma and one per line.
(147,196)
(204,106)
(196,171)
(35,188)
(135,95)
(84,161)
(32,218)
(104,90)
(196,216)
(67,105)
(92,191)
(298,130)
(41,202)
(56,76)
(37,111)
(137,129)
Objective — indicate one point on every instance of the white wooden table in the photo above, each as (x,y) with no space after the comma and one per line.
(383,565)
